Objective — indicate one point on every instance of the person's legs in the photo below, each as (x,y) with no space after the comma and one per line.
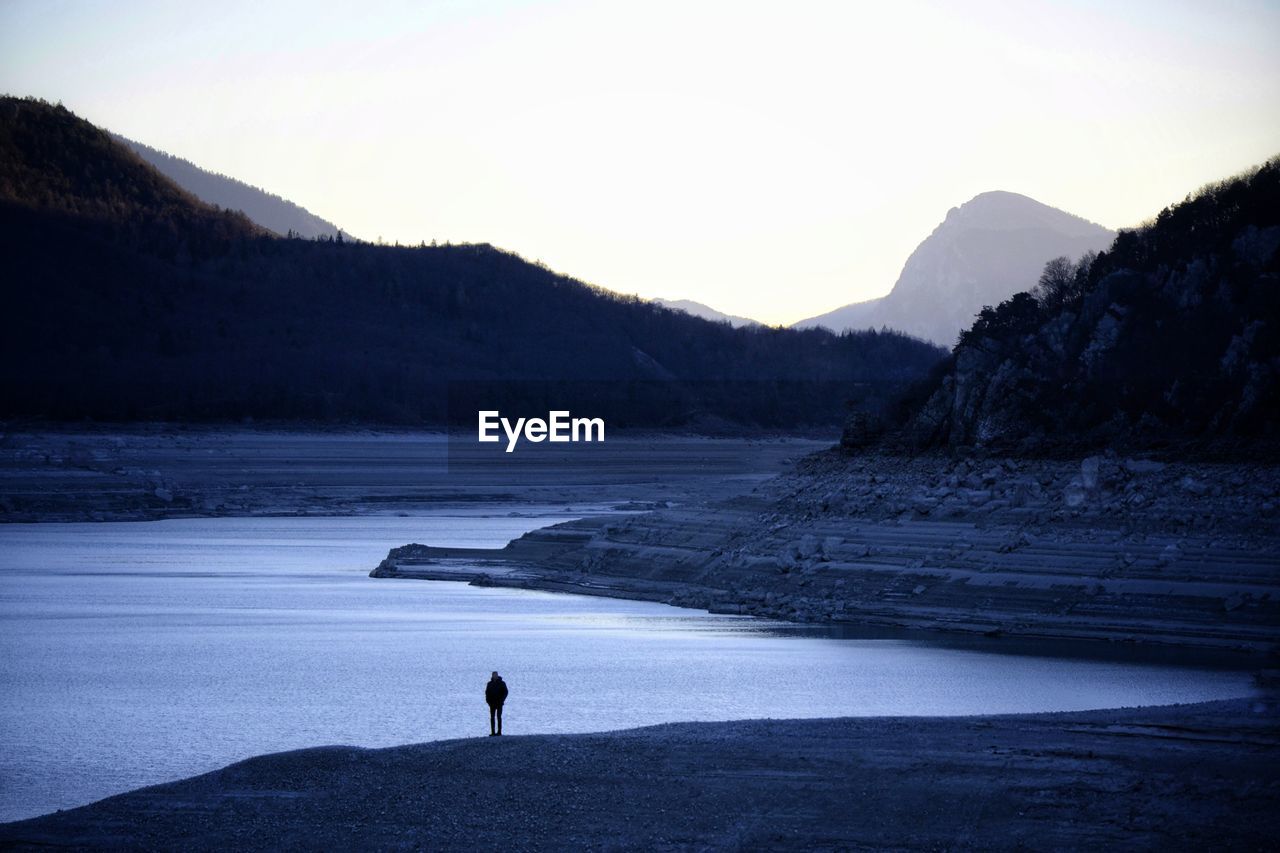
(499,719)
(492,712)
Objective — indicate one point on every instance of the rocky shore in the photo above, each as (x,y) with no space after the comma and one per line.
(1182,777)
(1104,548)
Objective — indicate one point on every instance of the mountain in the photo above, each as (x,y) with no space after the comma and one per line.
(985,250)
(126,298)
(1169,338)
(706,312)
(269,211)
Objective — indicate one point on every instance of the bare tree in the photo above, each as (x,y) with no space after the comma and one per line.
(1057,282)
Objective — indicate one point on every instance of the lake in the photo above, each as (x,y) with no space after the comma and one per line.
(138,653)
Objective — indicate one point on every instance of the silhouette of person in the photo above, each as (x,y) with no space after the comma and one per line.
(495,693)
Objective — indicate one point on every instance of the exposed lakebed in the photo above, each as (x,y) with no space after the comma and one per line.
(136,653)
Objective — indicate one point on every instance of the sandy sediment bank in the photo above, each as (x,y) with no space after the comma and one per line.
(1183,777)
(1105,549)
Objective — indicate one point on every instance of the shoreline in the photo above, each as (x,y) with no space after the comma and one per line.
(1105,549)
(1187,775)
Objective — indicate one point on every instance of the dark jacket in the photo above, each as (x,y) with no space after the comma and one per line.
(495,692)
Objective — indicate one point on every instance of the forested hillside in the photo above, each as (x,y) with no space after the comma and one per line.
(127,298)
(1170,337)
(54,166)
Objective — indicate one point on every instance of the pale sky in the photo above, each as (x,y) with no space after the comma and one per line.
(774,160)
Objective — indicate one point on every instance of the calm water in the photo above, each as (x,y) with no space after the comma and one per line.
(132,654)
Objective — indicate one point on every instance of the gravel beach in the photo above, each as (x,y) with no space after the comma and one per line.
(1180,778)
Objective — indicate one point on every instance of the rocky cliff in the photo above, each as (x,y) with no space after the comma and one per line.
(1170,336)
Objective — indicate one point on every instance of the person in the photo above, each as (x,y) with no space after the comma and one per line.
(495,693)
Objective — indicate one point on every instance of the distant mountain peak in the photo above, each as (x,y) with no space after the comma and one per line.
(1004,210)
(706,312)
(997,199)
(983,251)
